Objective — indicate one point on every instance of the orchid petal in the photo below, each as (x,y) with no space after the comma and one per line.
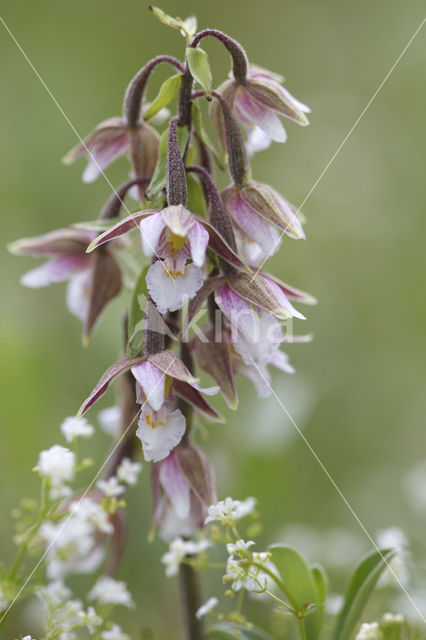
(198,240)
(120,228)
(78,294)
(178,219)
(56,270)
(170,291)
(252,113)
(152,381)
(238,311)
(161,433)
(103,155)
(175,486)
(151,229)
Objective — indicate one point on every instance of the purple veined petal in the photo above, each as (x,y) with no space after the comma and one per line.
(175,486)
(105,284)
(160,432)
(240,313)
(152,381)
(168,290)
(257,140)
(191,393)
(151,228)
(253,224)
(104,154)
(60,243)
(120,228)
(198,472)
(291,292)
(278,294)
(178,219)
(172,366)
(102,134)
(108,377)
(251,112)
(218,244)
(280,360)
(273,96)
(56,270)
(78,294)
(198,240)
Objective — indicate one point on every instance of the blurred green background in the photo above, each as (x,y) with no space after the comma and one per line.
(358,394)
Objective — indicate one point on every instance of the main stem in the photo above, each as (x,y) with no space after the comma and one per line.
(191,602)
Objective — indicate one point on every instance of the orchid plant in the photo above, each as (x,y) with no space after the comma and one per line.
(201,299)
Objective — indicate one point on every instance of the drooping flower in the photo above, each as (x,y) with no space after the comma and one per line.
(258,105)
(183,487)
(260,216)
(175,236)
(106,590)
(93,280)
(112,139)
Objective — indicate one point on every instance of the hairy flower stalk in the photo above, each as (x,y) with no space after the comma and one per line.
(195,249)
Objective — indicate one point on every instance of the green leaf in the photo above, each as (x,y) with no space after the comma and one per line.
(187,27)
(196,202)
(136,315)
(300,586)
(199,67)
(158,181)
(361,586)
(232,631)
(321,580)
(168,91)
(202,134)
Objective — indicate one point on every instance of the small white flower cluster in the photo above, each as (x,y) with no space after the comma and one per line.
(369,631)
(64,616)
(106,590)
(73,545)
(127,475)
(114,633)
(228,511)
(74,428)
(57,465)
(241,567)
(180,548)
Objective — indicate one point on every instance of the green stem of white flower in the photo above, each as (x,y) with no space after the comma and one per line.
(44,507)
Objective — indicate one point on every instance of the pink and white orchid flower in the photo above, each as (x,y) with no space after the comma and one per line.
(92,280)
(175,236)
(257,104)
(112,139)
